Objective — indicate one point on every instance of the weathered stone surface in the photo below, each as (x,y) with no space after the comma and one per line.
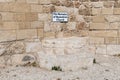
(107,11)
(33,46)
(22,59)
(15,48)
(7,35)
(66,62)
(72,42)
(54,27)
(2,62)
(2,49)
(97,4)
(112,18)
(113,49)
(26,34)
(101,49)
(71,25)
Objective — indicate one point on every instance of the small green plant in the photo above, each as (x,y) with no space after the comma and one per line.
(56,68)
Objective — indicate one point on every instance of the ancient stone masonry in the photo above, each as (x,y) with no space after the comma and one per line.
(28,32)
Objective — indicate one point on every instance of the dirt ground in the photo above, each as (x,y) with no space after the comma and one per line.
(107,68)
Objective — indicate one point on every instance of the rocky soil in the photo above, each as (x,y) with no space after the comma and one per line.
(107,70)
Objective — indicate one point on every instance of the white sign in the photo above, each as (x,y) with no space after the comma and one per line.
(60,16)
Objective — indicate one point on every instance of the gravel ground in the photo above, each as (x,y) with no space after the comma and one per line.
(107,70)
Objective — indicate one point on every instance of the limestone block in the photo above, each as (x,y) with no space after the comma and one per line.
(36,8)
(103,33)
(22,59)
(48,8)
(24,25)
(59,35)
(9,25)
(111,40)
(7,35)
(96,11)
(19,7)
(85,10)
(49,34)
(32,1)
(114,25)
(33,46)
(72,42)
(66,62)
(112,18)
(109,4)
(71,25)
(37,24)
(107,11)
(99,26)
(45,2)
(5,7)
(31,16)
(6,16)
(20,1)
(119,33)
(116,11)
(98,19)
(54,27)
(67,34)
(80,18)
(44,17)
(66,9)
(72,17)
(56,2)
(101,49)
(96,40)
(19,16)
(113,49)
(7,1)
(40,33)
(26,34)
(97,4)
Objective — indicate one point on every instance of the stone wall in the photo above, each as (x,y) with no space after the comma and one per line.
(96,19)
(30,21)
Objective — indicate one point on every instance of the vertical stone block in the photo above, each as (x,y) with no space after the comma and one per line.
(40,33)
